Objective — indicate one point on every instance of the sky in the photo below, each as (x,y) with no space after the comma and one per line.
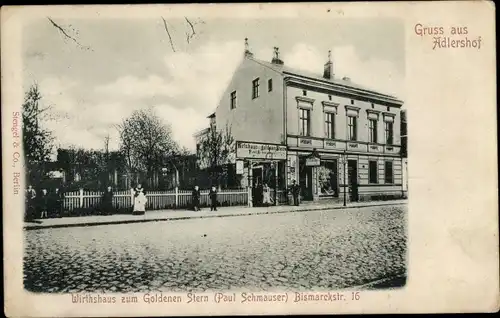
(121,65)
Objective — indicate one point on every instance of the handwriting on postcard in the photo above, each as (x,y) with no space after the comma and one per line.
(448,37)
(245,297)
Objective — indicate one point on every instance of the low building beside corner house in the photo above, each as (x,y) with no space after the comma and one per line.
(327,133)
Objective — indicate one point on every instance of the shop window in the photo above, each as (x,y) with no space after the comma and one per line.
(388,172)
(372,172)
(329,125)
(372,130)
(352,125)
(328,178)
(304,122)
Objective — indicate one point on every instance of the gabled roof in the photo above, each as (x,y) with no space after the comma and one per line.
(285,70)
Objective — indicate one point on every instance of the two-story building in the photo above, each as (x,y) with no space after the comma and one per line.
(327,133)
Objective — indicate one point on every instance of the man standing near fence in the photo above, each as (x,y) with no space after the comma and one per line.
(196,198)
(213,199)
(107,202)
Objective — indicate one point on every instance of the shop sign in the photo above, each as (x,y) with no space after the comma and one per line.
(260,151)
(313,162)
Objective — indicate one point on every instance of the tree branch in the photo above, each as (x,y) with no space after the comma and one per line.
(66,34)
(169,37)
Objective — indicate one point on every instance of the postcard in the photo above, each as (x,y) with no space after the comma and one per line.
(239,159)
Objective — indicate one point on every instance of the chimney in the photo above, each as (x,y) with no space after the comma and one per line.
(276,57)
(328,70)
(247,50)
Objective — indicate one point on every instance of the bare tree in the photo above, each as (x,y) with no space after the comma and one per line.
(145,141)
(215,151)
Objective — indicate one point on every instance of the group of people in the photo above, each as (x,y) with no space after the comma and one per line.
(44,204)
(196,195)
(261,194)
(50,204)
(139,200)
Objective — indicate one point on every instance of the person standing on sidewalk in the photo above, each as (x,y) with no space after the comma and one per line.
(196,198)
(107,201)
(295,189)
(140,200)
(30,202)
(266,191)
(43,204)
(213,199)
(56,203)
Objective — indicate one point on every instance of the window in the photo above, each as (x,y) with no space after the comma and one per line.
(304,122)
(388,172)
(330,125)
(373,106)
(372,172)
(351,123)
(372,130)
(304,93)
(233,100)
(388,108)
(352,101)
(255,88)
(269,85)
(329,97)
(389,134)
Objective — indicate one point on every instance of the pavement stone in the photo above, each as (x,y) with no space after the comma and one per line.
(313,250)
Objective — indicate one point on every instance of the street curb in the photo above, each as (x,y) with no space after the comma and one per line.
(38,227)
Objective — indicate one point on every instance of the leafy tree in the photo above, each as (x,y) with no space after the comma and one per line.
(145,142)
(37,140)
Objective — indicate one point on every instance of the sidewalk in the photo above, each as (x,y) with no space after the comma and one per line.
(172,215)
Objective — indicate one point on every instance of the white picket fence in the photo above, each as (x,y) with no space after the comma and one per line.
(172,199)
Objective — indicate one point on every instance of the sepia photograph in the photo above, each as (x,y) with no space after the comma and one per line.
(249,159)
(143,137)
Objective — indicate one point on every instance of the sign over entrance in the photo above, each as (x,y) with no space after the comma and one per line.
(314,159)
(260,151)
(313,162)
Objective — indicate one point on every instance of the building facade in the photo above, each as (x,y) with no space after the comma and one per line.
(330,135)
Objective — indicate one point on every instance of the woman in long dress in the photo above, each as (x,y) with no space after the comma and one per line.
(267,195)
(140,200)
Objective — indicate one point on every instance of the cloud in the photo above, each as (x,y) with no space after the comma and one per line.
(133,87)
(184,122)
(377,74)
(204,74)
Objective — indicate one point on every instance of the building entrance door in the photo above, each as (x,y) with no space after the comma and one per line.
(257,173)
(305,181)
(352,177)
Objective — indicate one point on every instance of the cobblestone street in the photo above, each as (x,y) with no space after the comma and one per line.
(316,250)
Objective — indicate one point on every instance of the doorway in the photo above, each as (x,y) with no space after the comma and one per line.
(352,177)
(305,182)
(257,176)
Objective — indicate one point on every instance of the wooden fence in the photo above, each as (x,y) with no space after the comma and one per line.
(173,199)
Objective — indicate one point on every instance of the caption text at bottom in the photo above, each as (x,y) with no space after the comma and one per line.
(245,297)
